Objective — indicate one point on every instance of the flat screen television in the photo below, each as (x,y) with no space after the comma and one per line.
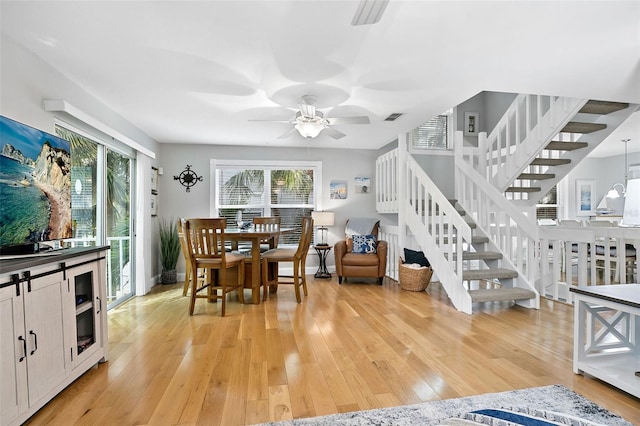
(35,188)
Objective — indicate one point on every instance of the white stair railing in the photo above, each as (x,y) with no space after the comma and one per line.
(387,175)
(527,126)
(572,256)
(509,230)
(440,230)
(561,250)
(390,234)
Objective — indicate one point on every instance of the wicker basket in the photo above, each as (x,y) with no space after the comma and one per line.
(413,279)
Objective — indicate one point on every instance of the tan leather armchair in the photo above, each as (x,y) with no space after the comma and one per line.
(370,265)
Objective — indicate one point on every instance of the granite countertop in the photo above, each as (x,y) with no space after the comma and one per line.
(627,294)
(10,264)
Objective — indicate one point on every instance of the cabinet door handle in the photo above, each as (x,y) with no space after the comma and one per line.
(99,304)
(24,345)
(35,342)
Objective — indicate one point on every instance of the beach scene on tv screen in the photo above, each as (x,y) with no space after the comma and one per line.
(35,185)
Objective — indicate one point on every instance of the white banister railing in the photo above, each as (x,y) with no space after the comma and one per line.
(562,249)
(574,256)
(527,126)
(510,231)
(387,174)
(390,235)
(440,231)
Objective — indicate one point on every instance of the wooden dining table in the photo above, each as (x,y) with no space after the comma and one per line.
(255,237)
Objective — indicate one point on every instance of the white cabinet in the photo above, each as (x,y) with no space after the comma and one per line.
(13,355)
(44,333)
(34,360)
(52,328)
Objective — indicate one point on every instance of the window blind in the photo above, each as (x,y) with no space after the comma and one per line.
(432,134)
(287,192)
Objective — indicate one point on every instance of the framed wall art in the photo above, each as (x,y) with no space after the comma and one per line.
(585,193)
(363,185)
(471,123)
(338,190)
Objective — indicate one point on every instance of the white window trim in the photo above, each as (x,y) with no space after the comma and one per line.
(317,180)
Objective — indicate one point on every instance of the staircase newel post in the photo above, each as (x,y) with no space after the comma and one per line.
(403,140)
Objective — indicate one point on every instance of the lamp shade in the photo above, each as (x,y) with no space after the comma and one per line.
(322,218)
(631,215)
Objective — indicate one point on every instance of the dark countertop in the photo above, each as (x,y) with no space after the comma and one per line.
(25,262)
(627,294)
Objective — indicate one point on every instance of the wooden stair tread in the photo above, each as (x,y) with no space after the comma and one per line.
(479,239)
(480,255)
(565,146)
(501,294)
(536,176)
(602,107)
(475,239)
(576,127)
(488,274)
(527,189)
(472,225)
(460,212)
(550,161)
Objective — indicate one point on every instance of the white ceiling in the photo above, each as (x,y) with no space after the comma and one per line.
(197,71)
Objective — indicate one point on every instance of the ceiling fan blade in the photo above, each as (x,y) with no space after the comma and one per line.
(363,119)
(336,134)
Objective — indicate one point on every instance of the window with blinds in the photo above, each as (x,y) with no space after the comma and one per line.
(250,191)
(431,135)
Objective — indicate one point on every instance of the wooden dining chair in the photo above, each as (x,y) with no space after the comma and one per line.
(267,224)
(296,255)
(187,260)
(206,242)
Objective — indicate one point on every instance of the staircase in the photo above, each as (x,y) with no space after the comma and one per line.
(468,260)
(593,122)
(483,247)
(483,276)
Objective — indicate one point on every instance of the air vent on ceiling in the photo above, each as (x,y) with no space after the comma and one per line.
(369,12)
(394,116)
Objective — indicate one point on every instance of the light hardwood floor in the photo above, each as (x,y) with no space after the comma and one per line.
(345,347)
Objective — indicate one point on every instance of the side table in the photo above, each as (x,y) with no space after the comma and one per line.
(323,251)
(606,334)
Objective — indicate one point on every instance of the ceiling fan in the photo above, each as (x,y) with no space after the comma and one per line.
(310,122)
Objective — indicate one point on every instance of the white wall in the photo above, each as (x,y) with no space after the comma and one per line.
(337,165)
(490,106)
(604,171)
(25,81)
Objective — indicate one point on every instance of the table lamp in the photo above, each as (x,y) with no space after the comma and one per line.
(631,216)
(322,220)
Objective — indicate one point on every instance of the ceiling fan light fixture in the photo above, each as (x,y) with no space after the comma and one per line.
(309,130)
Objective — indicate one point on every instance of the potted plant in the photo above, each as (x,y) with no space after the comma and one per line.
(169,251)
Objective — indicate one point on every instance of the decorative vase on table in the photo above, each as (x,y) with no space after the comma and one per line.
(169,251)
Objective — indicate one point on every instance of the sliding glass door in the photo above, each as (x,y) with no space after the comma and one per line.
(102,180)
(118,227)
